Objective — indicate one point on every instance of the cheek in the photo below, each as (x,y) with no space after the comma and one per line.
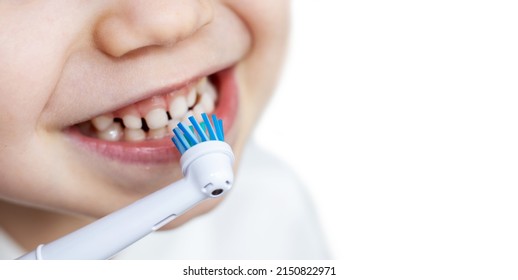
(23,94)
(33,50)
(268,23)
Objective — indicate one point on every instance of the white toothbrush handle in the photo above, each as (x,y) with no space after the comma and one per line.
(208,171)
(111,234)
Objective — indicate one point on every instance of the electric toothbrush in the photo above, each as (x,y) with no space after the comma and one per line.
(207,167)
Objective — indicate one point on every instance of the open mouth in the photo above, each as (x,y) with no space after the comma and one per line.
(155,117)
(141,132)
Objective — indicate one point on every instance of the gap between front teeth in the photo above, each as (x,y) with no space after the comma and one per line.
(163,114)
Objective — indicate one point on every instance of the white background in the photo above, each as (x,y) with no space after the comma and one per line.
(401,117)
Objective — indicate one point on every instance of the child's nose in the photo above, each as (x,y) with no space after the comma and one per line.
(134,24)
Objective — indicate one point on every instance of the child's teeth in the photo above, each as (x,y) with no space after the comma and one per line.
(112,133)
(189,101)
(178,107)
(203,81)
(157,133)
(185,118)
(191,97)
(206,87)
(102,122)
(132,121)
(134,134)
(206,102)
(172,124)
(197,111)
(130,117)
(156,118)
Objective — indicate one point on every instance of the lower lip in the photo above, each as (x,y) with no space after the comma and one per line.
(163,150)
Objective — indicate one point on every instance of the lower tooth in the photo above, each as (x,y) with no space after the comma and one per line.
(157,133)
(134,134)
(111,133)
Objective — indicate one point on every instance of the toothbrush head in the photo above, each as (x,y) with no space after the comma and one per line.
(187,137)
(206,159)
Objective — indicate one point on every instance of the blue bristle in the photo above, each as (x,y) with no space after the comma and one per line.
(178,145)
(188,134)
(219,128)
(204,127)
(186,137)
(200,131)
(215,123)
(206,121)
(191,142)
(180,140)
(221,135)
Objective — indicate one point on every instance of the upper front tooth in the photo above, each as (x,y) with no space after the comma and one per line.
(132,121)
(102,122)
(178,107)
(156,118)
(130,117)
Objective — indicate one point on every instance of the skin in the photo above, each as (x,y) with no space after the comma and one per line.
(64,62)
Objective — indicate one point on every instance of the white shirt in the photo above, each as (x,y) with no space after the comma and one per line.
(267,215)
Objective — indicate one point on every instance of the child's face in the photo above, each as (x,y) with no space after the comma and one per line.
(77,77)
